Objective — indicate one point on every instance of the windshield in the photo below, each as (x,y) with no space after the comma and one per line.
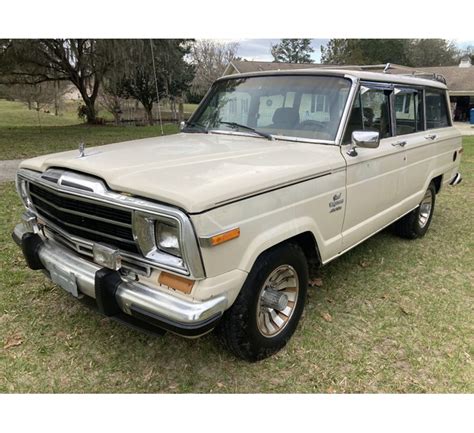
(308,107)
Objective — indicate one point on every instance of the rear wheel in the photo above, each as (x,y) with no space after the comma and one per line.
(269,306)
(416,223)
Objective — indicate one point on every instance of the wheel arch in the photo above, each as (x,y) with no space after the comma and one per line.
(306,238)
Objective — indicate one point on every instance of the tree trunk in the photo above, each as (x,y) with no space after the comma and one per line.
(149,115)
(180,110)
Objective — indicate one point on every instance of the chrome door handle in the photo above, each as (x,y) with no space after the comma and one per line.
(431,137)
(399,143)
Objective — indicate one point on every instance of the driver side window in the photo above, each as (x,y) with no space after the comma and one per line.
(370,113)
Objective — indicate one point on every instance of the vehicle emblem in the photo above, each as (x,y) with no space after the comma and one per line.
(336,203)
(82,148)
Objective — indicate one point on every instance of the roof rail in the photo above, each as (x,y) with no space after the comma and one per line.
(428,76)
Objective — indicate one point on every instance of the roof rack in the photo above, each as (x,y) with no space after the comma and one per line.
(428,76)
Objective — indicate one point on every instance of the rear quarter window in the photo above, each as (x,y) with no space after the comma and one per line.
(437,113)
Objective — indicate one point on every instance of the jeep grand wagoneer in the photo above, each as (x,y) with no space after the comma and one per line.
(214,227)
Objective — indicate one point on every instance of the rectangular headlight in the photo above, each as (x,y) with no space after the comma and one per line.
(167,237)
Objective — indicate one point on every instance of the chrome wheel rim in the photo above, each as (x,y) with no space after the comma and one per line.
(277,301)
(425,209)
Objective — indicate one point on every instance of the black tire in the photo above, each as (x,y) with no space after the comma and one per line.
(238,329)
(410,226)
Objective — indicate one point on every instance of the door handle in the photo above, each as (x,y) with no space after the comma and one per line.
(399,143)
(431,137)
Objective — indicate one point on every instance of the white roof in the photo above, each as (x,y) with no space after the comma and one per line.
(362,75)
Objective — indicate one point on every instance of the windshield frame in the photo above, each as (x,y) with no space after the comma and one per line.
(342,123)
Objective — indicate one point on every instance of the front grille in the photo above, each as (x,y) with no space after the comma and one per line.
(86,219)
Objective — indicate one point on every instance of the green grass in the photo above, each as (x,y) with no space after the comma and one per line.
(402,321)
(25,133)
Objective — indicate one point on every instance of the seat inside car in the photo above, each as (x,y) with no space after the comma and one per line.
(285,118)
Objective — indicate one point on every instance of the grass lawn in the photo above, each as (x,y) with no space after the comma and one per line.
(391,316)
(25,133)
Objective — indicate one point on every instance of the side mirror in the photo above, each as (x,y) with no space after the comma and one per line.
(367,139)
(182,125)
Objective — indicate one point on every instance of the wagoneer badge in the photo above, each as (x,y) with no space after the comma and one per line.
(336,202)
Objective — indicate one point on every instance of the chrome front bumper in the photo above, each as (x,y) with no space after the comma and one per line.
(115,294)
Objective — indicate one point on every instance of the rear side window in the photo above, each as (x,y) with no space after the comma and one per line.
(408,111)
(437,113)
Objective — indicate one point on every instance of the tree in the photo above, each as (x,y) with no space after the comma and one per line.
(37,96)
(165,74)
(210,58)
(293,51)
(365,51)
(83,62)
(409,52)
(432,52)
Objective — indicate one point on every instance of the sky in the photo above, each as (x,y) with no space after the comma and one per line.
(259,49)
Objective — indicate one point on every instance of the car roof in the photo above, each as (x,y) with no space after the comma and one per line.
(347,73)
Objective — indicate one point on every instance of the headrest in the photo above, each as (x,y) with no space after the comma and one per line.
(286,117)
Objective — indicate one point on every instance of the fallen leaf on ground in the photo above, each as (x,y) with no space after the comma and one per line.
(404,309)
(329,300)
(220,385)
(364,263)
(315,282)
(13,341)
(326,316)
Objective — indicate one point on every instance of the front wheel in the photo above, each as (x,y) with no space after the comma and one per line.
(416,223)
(269,306)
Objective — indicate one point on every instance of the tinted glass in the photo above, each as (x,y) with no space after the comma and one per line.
(293,106)
(436,109)
(408,112)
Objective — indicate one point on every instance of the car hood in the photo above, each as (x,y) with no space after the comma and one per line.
(197,171)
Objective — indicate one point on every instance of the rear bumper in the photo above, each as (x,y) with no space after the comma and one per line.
(115,295)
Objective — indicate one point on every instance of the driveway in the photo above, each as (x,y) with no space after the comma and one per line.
(465,128)
(8,169)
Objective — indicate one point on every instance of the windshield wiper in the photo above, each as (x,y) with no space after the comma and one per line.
(199,127)
(249,128)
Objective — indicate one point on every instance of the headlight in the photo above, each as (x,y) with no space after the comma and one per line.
(167,238)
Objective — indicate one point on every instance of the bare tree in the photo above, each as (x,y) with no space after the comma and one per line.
(38,96)
(83,62)
(210,58)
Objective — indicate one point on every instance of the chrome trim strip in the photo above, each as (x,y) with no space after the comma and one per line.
(278,186)
(276,137)
(192,262)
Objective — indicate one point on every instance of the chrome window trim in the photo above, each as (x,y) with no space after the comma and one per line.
(276,137)
(192,262)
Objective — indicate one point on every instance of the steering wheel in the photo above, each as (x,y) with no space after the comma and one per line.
(312,124)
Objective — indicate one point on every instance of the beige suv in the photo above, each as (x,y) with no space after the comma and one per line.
(214,227)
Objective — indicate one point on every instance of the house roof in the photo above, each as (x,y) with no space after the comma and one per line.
(460,80)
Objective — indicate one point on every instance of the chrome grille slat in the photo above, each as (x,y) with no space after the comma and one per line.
(118,223)
(84,218)
(116,238)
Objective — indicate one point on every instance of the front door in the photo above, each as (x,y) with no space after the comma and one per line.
(374,176)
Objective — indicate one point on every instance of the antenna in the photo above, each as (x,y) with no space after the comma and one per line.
(156,86)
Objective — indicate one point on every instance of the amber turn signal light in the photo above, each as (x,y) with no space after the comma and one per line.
(224,237)
(176,282)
